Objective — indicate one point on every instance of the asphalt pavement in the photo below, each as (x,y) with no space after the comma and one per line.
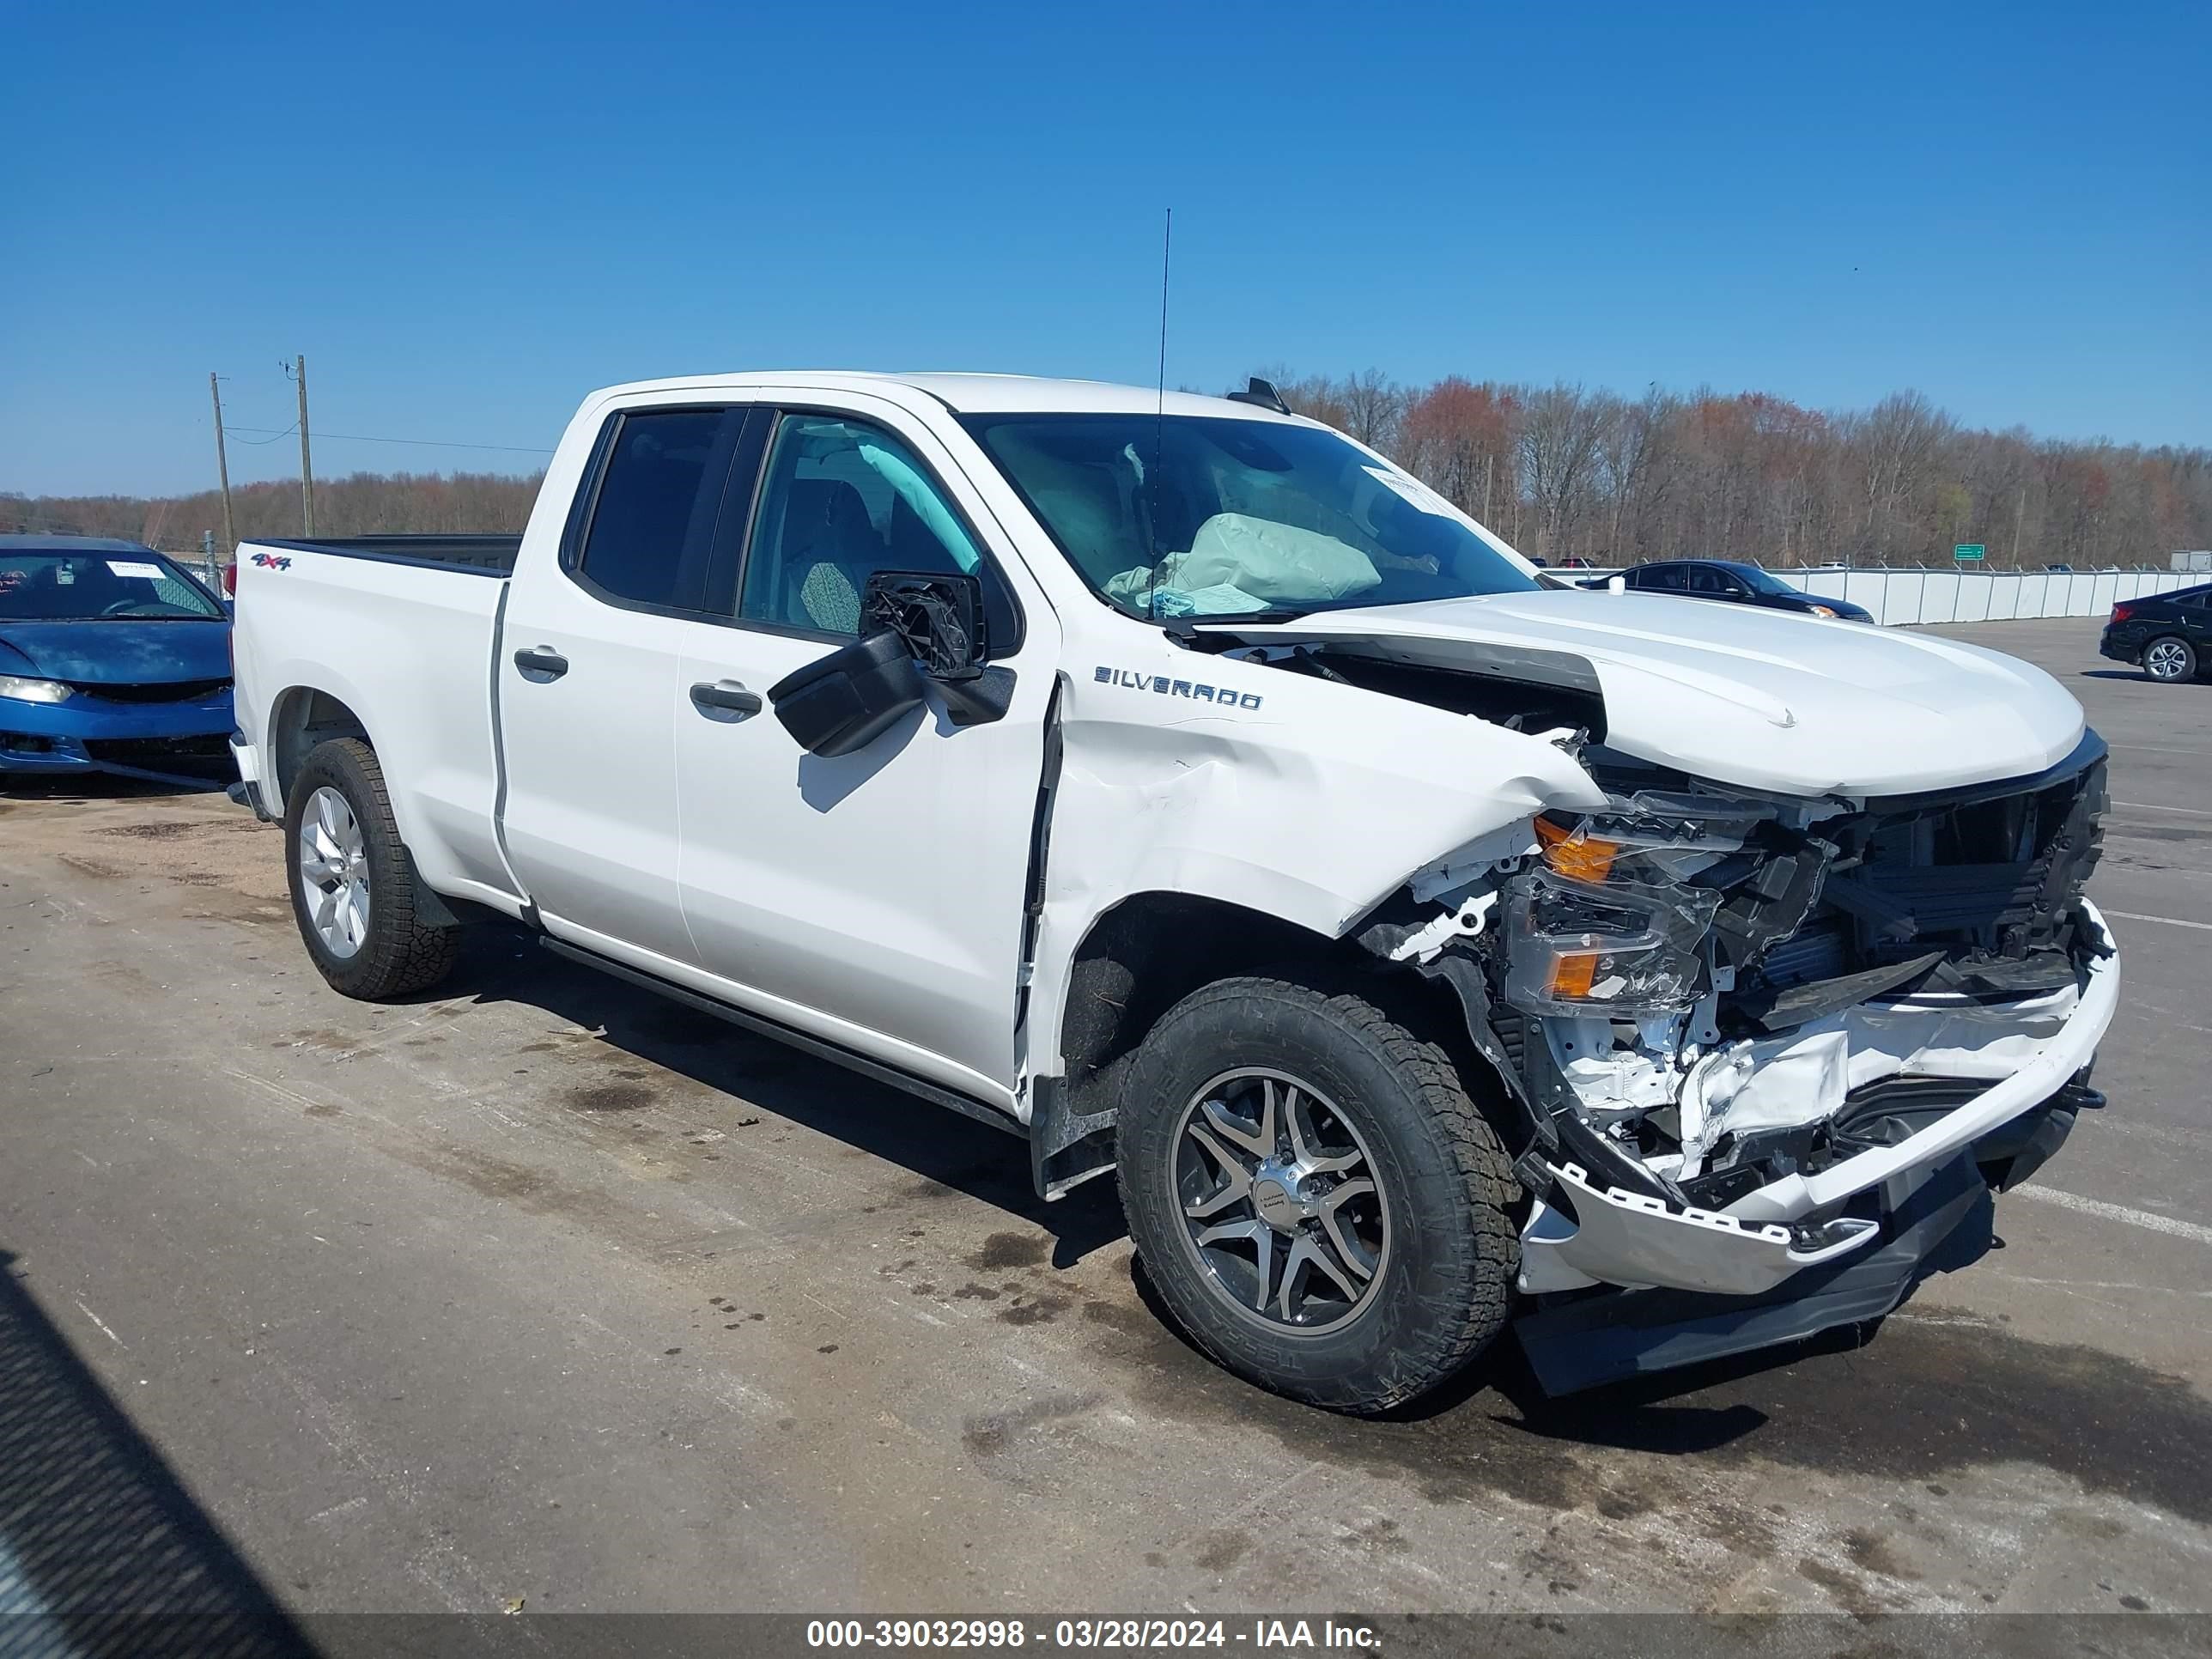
(541,1293)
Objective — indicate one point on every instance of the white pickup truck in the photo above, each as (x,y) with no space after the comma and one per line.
(1183,786)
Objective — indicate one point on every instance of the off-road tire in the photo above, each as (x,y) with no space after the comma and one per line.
(402,953)
(1448,1279)
(2189,664)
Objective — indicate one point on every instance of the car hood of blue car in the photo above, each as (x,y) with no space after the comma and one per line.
(117,650)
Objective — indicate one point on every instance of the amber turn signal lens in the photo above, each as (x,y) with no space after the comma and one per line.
(1578,858)
(1571,975)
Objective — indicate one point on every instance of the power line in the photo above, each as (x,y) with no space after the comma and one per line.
(286,433)
(363,438)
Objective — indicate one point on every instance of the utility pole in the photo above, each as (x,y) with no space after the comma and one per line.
(222,468)
(2018,512)
(306,467)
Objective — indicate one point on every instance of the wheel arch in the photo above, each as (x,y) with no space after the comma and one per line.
(302,717)
(1149,950)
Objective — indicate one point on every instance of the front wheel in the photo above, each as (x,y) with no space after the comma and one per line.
(353,888)
(1316,1198)
(2170,660)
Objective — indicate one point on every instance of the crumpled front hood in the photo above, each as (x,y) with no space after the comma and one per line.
(1762,699)
(117,650)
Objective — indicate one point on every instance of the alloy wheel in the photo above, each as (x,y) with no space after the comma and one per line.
(334,873)
(1281,1201)
(2165,660)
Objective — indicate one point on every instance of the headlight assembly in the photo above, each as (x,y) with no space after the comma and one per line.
(1606,921)
(1582,948)
(23,690)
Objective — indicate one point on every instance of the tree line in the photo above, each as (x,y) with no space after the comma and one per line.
(1563,472)
(1560,472)
(359,504)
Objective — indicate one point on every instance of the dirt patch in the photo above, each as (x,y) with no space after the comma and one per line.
(996,1432)
(1040,1310)
(155,829)
(1850,1594)
(1870,1553)
(1003,1250)
(608,1097)
(1223,1550)
(99,869)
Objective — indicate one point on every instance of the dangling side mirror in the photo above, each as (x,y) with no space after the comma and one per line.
(916,628)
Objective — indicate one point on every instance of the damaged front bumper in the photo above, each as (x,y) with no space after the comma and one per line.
(1769,1053)
(2026,1053)
(1662,1286)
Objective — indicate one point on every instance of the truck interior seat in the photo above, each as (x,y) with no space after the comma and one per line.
(827,549)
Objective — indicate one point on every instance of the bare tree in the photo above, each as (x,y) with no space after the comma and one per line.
(1374,404)
(1557,449)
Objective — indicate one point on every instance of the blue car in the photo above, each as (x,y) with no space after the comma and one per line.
(112,658)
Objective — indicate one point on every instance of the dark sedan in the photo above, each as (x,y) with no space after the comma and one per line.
(112,658)
(1735,584)
(2167,635)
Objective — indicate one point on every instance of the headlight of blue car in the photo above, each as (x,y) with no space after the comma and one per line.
(23,690)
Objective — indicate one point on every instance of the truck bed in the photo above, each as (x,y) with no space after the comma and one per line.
(490,555)
(377,628)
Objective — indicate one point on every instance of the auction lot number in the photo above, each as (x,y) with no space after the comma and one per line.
(1014,1633)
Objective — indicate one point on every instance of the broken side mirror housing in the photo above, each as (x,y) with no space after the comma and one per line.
(846,700)
(916,627)
(940,618)
(945,624)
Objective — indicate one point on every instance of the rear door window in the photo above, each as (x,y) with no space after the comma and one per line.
(652,530)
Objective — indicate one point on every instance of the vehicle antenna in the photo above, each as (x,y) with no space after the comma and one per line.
(1159,427)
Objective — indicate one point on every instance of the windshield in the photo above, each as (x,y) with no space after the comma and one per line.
(1234,518)
(1757,580)
(80,586)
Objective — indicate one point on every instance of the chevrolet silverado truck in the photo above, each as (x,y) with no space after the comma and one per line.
(1183,787)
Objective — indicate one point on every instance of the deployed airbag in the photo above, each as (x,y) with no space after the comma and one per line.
(1237,562)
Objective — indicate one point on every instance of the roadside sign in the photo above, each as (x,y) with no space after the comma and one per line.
(1968,550)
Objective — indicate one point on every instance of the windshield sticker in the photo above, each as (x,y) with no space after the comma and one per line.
(1219,695)
(1412,490)
(135,568)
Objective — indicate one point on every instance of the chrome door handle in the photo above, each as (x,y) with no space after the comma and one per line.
(718,697)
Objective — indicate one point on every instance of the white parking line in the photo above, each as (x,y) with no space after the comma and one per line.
(102,1323)
(2144,1219)
(2147,806)
(2170,921)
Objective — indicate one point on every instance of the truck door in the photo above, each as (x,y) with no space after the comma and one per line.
(590,686)
(877,897)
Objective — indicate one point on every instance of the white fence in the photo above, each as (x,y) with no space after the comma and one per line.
(1969,596)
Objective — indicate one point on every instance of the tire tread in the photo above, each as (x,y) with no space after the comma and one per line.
(405,953)
(1482,1257)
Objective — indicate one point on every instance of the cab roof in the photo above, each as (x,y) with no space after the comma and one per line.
(985,394)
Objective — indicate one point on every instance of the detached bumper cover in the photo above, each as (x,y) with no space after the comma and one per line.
(1608,1336)
(1762,1241)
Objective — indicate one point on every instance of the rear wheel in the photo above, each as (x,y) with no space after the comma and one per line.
(353,888)
(2169,660)
(1316,1199)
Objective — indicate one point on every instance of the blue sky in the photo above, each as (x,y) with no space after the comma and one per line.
(467,217)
